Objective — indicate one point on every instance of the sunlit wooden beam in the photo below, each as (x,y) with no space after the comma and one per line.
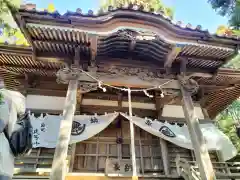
(172,56)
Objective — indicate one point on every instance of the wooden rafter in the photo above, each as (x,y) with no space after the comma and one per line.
(60,43)
(22,24)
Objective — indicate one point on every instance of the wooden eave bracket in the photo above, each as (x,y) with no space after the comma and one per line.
(94,49)
(76,61)
(172,55)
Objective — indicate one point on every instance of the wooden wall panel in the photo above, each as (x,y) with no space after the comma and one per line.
(38,158)
(148,150)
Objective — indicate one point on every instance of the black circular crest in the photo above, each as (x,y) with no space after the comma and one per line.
(77,128)
(167,132)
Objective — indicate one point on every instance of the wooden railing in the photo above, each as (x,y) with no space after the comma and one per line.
(189,169)
(186,170)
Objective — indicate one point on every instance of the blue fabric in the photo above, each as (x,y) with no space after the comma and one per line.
(2,177)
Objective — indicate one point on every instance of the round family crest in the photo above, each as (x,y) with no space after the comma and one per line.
(167,132)
(77,128)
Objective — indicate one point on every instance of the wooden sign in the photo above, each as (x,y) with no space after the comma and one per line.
(118,167)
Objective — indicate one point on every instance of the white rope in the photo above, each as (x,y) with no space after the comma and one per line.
(100,83)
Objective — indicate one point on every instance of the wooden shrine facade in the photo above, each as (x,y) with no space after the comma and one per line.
(124,47)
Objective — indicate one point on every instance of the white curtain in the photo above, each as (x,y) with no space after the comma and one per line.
(46,129)
(215,139)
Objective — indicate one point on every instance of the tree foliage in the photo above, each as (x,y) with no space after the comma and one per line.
(5,16)
(230,8)
(9,33)
(51,8)
(157,5)
(223,30)
(234,63)
(227,120)
(13,36)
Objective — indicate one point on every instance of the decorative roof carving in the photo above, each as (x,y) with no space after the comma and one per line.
(143,74)
(66,74)
(190,85)
(87,87)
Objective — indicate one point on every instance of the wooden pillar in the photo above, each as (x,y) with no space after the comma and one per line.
(163,143)
(73,146)
(165,159)
(198,142)
(59,162)
(133,152)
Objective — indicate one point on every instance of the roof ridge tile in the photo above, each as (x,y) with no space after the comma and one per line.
(29,7)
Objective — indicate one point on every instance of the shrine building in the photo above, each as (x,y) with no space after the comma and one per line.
(126,94)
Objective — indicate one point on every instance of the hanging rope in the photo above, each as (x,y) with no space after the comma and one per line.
(101,84)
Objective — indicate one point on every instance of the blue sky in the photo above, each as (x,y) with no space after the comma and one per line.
(188,11)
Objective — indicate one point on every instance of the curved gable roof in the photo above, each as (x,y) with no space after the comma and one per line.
(128,16)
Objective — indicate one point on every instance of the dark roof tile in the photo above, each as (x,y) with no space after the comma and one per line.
(132,7)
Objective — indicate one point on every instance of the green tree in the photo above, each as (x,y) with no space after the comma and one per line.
(234,63)
(5,15)
(13,36)
(227,121)
(230,8)
(157,5)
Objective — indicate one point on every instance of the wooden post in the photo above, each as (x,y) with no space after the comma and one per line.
(59,161)
(72,157)
(134,166)
(198,142)
(165,159)
(163,143)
